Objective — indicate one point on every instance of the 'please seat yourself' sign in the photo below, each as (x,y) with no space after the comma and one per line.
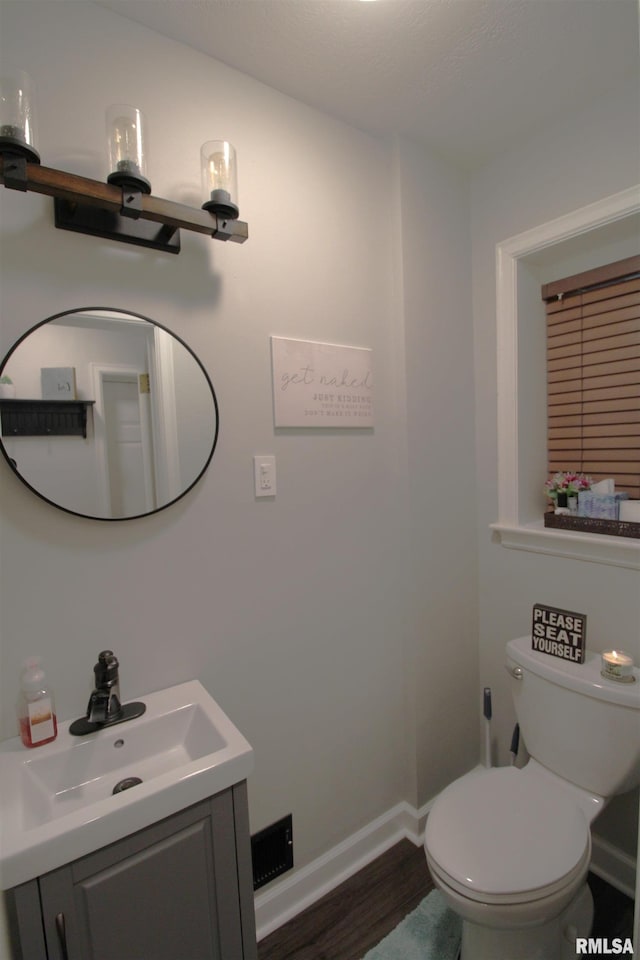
(559,633)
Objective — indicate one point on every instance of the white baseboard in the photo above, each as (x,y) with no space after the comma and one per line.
(298,891)
(613,865)
(304,887)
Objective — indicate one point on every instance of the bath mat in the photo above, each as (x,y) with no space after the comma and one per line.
(430,932)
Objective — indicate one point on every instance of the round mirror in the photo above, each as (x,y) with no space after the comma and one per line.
(106,414)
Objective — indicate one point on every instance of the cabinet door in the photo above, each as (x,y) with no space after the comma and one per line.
(168,892)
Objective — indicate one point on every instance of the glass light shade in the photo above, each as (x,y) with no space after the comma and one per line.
(219,178)
(17,115)
(126,140)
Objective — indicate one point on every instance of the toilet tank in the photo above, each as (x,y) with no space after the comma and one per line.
(573,721)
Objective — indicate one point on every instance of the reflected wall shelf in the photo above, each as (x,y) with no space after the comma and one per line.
(44,418)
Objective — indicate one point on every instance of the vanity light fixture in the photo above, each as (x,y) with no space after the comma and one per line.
(123,208)
(17,120)
(126,141)
(219,178)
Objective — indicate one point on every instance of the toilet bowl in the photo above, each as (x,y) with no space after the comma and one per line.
(510,848)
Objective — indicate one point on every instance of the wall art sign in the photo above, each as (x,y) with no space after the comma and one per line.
(321,384)
(58,383)
(560,633)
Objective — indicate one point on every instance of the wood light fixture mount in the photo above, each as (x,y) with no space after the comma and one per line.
(123,207)
(115,212)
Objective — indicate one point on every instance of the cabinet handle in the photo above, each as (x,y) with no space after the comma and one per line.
(62,935)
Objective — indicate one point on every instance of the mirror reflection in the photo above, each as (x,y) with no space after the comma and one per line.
(151,413)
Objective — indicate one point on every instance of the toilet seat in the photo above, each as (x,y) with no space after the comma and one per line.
(506,836)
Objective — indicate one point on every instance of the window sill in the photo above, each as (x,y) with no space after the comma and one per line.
(594,548)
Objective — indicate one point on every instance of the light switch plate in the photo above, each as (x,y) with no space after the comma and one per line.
(264,473)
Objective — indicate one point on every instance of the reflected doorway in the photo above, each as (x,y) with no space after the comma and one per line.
(129,448)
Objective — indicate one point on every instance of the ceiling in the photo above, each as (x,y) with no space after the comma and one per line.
(465,77)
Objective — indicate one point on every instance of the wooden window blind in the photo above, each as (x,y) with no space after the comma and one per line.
(593,374)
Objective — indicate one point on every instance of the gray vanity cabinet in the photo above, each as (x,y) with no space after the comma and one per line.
(180,889)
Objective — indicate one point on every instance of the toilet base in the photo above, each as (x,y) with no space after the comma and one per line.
(553,940)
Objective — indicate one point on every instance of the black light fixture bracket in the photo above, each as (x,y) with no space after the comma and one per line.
(131,203)
(15,172)
(114,212)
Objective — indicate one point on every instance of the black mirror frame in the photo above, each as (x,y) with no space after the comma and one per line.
(139,316)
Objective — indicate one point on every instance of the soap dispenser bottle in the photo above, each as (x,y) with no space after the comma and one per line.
(36,710)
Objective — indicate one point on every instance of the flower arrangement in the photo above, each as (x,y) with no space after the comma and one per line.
(569,483)
(7,389)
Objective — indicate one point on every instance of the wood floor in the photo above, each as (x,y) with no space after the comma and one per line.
(613,911)
(355,916)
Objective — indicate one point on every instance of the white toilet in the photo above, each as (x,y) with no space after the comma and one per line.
(509,848)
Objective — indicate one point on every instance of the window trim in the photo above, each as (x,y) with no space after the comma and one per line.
(510,531)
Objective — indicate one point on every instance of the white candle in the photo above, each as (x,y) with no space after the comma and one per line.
(617,665)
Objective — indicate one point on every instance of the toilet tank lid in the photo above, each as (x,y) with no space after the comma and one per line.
(585,677)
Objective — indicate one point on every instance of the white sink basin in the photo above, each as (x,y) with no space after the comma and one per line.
(58,802)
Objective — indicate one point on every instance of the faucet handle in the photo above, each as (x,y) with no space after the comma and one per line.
(106,669)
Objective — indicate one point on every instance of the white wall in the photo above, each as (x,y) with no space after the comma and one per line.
(330,622)
(588,156)
(436,291)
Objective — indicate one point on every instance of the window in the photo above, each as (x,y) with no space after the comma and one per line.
(593,374)
(521,380)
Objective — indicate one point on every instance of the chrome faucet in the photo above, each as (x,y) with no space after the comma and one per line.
(105,707)
(104,703)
